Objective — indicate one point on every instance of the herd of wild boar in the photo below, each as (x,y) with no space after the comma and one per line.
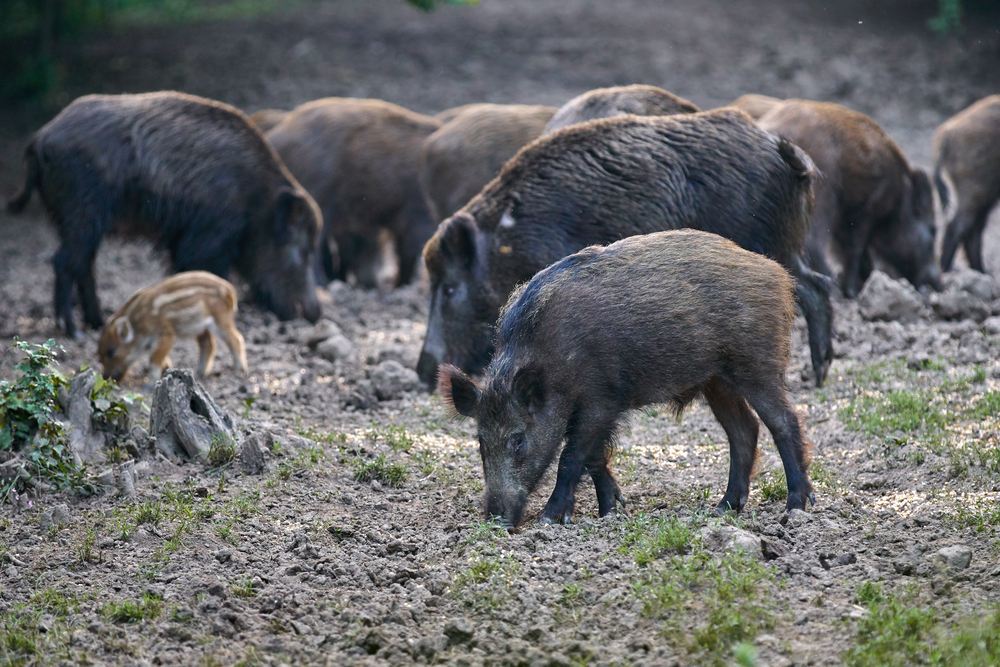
(625,249)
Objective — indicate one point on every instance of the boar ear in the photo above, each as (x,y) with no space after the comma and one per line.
(529,388)
(284,205)
(124,330)
(458,392)
(458,238)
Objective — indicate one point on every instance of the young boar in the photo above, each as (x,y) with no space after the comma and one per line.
(194,304)
(194,175)
(869,199)
(265,119)
(601,181)
(754,105)
(637,100)
(967,176)
(659,318)
(359,158)
(469,150)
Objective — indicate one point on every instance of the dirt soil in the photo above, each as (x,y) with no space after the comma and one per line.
(306,565)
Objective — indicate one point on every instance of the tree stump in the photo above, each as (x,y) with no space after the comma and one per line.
(185,419)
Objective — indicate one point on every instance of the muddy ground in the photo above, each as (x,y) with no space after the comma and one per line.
(306,565)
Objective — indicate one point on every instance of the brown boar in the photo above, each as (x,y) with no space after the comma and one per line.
(967,176)
(868,201)
(638,100)
(194,175)
(193,304)
(359,159)
(265,119)
(468,151)
(753,105)
(660,318)
(600,181)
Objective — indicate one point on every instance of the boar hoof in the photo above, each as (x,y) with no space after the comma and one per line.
(797,501)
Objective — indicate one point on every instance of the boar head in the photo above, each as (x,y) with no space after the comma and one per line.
(908,245)
(463,305)
(520,425)
(117,349)
(283,273)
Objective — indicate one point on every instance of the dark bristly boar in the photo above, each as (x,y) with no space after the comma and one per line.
(194,175)
(597,182)
(660,318)
(358,158)
(869,199)
(469,150)
(967,176)
(754,105)
(638,100)
(265,119)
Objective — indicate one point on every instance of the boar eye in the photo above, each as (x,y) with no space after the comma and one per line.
(110,352)
(517,441)
(449,291)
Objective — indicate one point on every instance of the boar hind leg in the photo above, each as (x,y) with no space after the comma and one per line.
(206,346)
(87,288)
(973,241)
(608,492)
(742,428)
(958,231)
(813,293)
(773,408)
(235,343)
(587,437)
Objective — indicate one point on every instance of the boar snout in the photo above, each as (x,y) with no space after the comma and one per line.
(427,370)
(506,507)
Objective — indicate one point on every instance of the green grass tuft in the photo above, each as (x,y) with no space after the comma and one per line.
(392,474)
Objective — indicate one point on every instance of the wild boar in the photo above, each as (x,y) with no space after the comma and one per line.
(598,182)
(468,151)
(359,158)
(194,175)
(265,119)
(869,199)
(660,318)
(753,105)
(967,176)
(637,99)
(194,304)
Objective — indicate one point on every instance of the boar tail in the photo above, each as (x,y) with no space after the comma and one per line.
(31,181)
(945,190)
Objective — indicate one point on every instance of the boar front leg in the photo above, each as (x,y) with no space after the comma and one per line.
(206,346)
(587,436)
(160,358)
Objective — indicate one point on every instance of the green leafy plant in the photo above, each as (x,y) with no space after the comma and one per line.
(379,468)
(27,404)
(221,451)
(148,606)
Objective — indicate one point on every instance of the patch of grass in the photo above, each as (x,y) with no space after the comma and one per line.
(772,486)
(485,532)
(485,584)
(224,529)
(244,588)
(148,511)
(246,504)
(647,537)
(906,410)
(148,606)
(19,640)
(328,437)
(118,455)
(85,552)
(55,601)
(899,630)
(379,468)
(981,515)
(221,451)
(393,435)
(709,605)
(425,459)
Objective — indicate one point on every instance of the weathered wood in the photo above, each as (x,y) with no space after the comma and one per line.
(184,417)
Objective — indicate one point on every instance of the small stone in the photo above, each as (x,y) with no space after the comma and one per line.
(459,631)
(908,561)
(957,557)
(991,325)
(431,646)
(56,516)
(201,492)
(772,549)
(959,306)
(12,572)
(727,538)
(390,379)
(324,330)
(216,589)
(373,641)
(303,629)
(883,298)
(795,518)
(107,478)
(252,452)
(336,347)
(972,282)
